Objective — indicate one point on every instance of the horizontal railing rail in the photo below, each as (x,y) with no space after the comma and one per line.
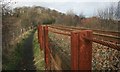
(81,46)
(114,33)
(106,37)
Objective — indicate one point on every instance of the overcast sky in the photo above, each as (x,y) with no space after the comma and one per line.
(87,7)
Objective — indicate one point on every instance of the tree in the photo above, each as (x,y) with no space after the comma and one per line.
(118,11)
(81,15)
(71,18)
(6,7)
(108,17)
(70,12)
(109,12)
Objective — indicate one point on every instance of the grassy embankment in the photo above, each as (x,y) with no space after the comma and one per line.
(10,62)
(38,54)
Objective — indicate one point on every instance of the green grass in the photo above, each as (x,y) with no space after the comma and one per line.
(38,54)
(10,61)
(15,57)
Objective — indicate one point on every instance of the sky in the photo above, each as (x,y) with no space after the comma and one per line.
(86,7)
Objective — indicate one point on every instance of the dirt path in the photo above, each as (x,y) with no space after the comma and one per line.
(27,62)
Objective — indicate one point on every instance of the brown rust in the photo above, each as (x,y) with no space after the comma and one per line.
(74,50)
(81,47)
(85,50)
(63,33)
(105,43)
(47,51)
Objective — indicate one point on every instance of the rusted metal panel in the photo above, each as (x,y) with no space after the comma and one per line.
(81,47)
(81,50)
(47,51)
(74,50)
(85,50)
(40,37)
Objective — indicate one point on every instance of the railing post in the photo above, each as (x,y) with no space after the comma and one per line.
(47,52)
(85,50)
(40,36)
(74,50)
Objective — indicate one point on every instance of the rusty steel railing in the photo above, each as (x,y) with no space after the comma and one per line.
(105,43)
(110,36)
(81,46)
(114,33)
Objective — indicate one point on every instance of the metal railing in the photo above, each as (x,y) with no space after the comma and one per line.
(81,46)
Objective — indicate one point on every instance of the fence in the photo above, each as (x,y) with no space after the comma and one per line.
(105,35)
(81,48)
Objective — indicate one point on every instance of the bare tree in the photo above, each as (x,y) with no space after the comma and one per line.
(6,6)
(118,11)
(81,15)
(108,13)
(70,12)
(108,17)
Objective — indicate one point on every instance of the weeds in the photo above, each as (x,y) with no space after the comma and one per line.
(38,54)
(9,62)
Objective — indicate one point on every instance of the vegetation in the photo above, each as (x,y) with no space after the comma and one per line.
(60,50)
(11,59)
(10,62)
(17,21)
(38,54)
(21,19)
(103,57)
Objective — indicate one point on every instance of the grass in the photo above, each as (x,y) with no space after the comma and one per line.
(60,50)
(38,54)
(103,57)
(15,57)
(10,61)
